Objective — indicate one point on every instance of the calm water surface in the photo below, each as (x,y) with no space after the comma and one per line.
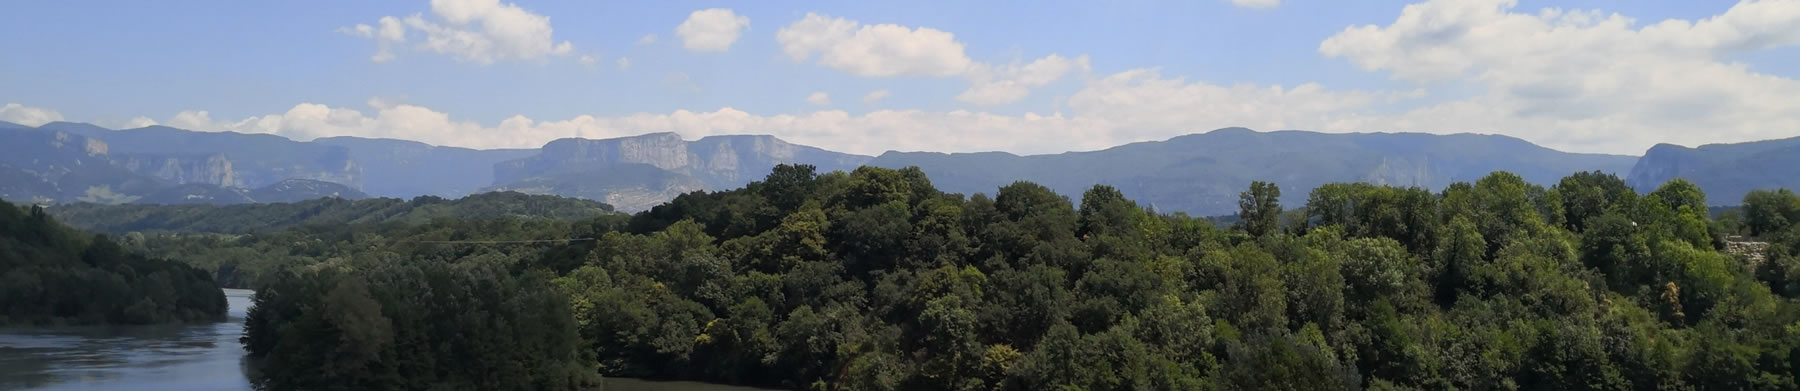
(169,357)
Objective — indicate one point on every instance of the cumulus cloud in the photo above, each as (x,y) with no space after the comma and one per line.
(990,84)
(480,31)
(139,122)
(879,50)
(1585,78)
(875,96)
(889,50)
(27,115)
(711,30)
(587,60)
(647,39)
(624,63)
(1256,3)
(819,98)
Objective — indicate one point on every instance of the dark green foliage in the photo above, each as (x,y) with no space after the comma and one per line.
(874,279)
(415,325)
(50,273)
(1771,211)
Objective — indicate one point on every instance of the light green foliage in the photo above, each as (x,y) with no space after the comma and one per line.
(1259,209)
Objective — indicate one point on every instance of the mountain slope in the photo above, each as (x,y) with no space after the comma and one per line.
(635,173)
(1725,171)
(255,160)
(401,168)
(1203,173)
(43,166)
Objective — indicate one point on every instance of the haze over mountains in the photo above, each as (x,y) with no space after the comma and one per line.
(1200,173)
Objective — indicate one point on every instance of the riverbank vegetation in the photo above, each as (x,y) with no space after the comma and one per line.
(875,280)
(53,274)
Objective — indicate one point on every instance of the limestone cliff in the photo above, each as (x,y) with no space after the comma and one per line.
(711,163)
(214,169)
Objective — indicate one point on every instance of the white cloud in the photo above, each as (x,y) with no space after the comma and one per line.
(647,39)
(819,98)
(1006,84)
(888,50)
(587,60)
(480,31)
(875,96)
(879,50)
(624,63)
(197,120)
(139,122)
(1256,3)
(1586,79)
(1136,105)
(711,30)
(27,115)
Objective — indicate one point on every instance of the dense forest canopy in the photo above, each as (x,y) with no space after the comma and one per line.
(239,244)
(52,274)
(875,280)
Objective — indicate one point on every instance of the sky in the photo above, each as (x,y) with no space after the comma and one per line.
(1603,76)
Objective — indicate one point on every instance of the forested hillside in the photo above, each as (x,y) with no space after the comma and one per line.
(246,218)
(52,274)
(874,279)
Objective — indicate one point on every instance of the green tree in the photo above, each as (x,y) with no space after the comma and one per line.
(1259,209)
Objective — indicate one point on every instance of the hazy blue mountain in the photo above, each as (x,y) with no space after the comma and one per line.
(626,186)
(634,173)
(221,158)
(401,168)
(52,166)
(296,190)
(1202,174)
(1725,171)
(196,194)
(42,166)
(257,159)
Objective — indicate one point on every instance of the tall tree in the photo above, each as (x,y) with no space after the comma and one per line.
(1259,209)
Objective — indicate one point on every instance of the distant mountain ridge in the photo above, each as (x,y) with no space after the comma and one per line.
(1198,173)
(1725,171)
(1203,173)
(638,172)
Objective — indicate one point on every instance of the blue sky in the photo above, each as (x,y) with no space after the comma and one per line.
(1026,77)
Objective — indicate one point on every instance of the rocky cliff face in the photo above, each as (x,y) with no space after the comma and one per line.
(257,160)
(214,169)
(711,163)
(1662,163)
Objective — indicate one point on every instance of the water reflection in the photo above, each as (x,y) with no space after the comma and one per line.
(169,357)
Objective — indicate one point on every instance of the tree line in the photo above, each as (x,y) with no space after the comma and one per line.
(53,274)
(875,280)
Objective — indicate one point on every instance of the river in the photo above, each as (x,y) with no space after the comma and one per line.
(163,357)
(166,357)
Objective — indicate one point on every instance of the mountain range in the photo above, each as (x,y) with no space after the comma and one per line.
(1202,173)
(1725,171)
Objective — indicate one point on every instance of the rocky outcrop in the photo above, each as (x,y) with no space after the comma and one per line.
(711,163)
(214,169)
